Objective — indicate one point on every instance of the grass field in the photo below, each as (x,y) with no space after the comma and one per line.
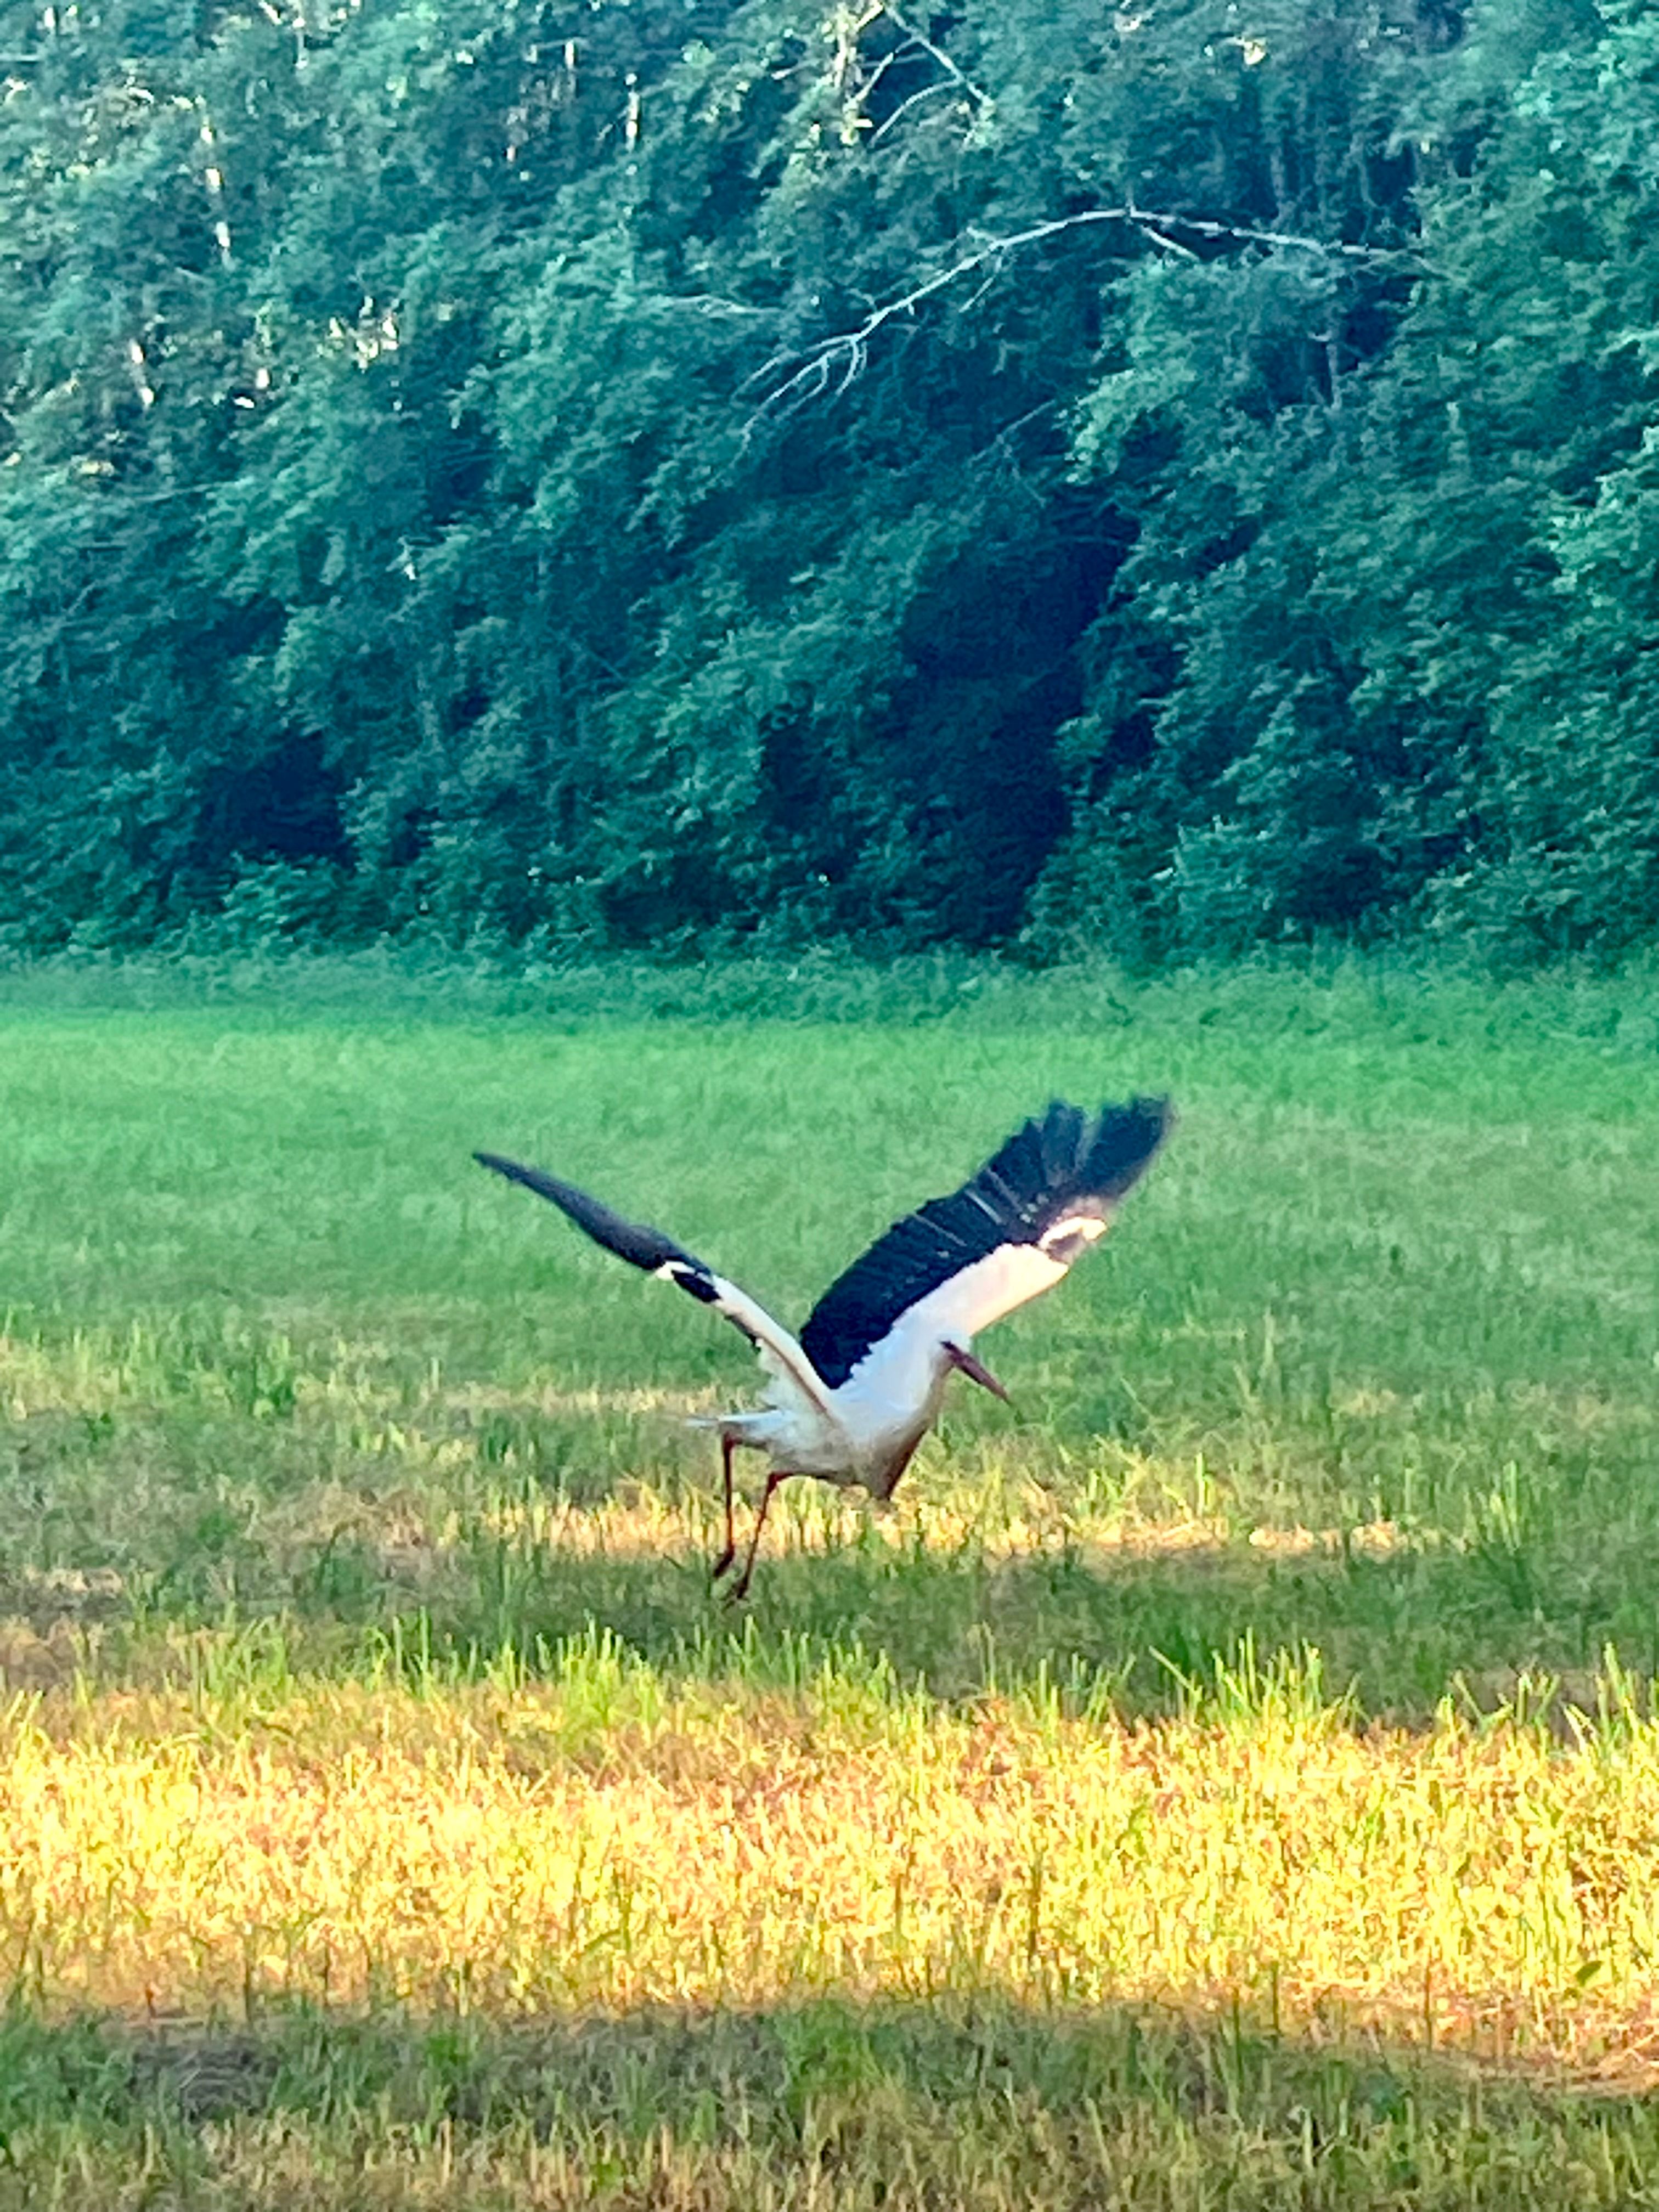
(1229,1777)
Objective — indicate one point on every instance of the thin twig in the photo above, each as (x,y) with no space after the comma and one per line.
(937,53)
(904,107)
(878,72)
(1170,244)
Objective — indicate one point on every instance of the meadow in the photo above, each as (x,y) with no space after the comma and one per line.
(1228,1777)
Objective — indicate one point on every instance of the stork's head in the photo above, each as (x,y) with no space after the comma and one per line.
(965,1364)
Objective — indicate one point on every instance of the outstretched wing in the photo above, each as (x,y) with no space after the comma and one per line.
(660,1256)
(959,1263)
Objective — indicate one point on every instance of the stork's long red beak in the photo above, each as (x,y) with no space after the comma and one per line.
(975,1372)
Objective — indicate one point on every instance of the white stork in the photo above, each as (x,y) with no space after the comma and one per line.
(851,1397)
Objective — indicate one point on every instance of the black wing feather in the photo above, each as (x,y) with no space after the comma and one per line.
(642,1247)
(1063,1131)
(1066,1162)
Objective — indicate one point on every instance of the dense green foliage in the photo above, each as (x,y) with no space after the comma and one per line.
(458,472)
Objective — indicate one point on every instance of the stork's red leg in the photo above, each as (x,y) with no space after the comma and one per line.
(728,1445)
(740,1587)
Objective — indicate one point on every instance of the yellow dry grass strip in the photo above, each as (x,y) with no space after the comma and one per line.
(643,1523)
(675,1404)
(1496,1888)
(1022,1519)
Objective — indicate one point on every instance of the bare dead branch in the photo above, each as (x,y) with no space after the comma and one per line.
(829,365)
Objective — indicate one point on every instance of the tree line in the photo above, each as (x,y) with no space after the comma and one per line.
(1154,477)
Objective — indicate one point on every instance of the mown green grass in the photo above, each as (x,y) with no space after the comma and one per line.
(290,1392)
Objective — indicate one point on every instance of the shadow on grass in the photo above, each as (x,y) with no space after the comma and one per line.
(211,1471)
(127,1539)
(1399,1625)
(940,2102)
(1139,1628)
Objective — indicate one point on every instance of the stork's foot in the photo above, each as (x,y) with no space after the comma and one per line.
(722,1565)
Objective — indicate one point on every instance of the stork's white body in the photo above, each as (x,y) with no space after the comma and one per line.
(864,1433)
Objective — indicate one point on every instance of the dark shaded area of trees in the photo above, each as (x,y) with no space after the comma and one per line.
(527,472)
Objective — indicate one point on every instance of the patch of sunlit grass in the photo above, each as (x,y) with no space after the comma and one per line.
(612,1837)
